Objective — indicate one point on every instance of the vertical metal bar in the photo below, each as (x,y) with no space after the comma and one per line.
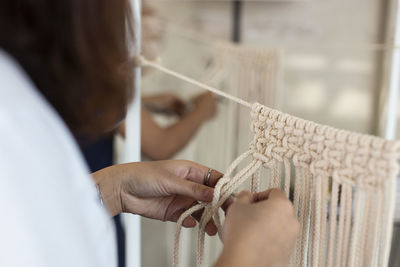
(132,147)
(236,21)
(236,38)
(391,102)
(394,82)
(388,105)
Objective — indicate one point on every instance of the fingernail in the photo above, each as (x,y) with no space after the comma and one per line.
(189,223)
(244,193)
(212,230)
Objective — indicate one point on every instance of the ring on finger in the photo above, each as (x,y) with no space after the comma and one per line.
(207,177)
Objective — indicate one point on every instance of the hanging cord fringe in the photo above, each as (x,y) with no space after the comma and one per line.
(318,152)
(223,190)
(360,167)
(146,63)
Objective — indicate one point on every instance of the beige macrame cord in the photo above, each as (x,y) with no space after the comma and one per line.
(334,164)
(336,171)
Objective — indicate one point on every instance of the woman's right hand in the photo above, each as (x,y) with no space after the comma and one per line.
(259,230)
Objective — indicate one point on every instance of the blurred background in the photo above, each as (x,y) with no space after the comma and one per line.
(334,62)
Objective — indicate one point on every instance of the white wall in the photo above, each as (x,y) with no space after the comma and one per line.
(330,77)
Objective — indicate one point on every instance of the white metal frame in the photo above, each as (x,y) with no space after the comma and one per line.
(391,85)
(132,146)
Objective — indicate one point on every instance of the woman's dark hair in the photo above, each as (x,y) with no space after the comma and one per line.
(76,53)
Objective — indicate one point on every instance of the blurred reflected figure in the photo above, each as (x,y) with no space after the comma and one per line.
(167,103)
(160,143)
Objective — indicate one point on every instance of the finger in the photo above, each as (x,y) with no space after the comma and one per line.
(192,171)
(188,222)
(276,193)
(187,188)
(210,94)
(177,206)
(244,197)
(179,102)
(211,228)
(260,196)
(178,203)
(198,172)
(213,96)
(179,108)
(270,193)
(227,203)
(201,177)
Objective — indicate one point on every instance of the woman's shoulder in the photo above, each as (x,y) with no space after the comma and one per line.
(49,200)
(30,129)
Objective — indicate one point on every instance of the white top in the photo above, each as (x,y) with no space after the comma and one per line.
(50,211)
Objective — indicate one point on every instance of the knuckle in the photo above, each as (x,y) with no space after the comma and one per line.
(276,192)
(184,162)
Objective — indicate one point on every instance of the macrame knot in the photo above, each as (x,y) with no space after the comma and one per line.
(328,163)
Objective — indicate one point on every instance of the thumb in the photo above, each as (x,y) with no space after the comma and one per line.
(244,197)
(191,189)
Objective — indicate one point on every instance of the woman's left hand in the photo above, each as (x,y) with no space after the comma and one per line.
(160,190)
(168,103)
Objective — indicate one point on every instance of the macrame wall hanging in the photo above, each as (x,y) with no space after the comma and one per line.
(250,73)
(253,74)
(343,195)
(343,191)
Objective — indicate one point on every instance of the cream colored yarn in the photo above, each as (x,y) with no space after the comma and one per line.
(344,185)
(344,188)
(245,74)
(248,73)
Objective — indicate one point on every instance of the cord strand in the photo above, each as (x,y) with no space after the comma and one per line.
(147,63)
